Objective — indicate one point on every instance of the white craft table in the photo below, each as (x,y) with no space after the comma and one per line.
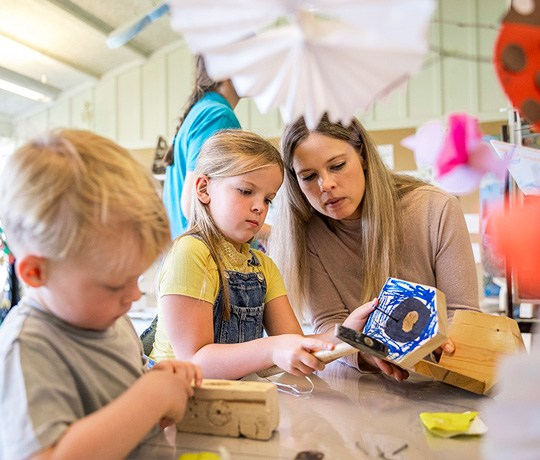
(354,416)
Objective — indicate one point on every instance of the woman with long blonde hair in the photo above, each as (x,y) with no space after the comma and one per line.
(346,223)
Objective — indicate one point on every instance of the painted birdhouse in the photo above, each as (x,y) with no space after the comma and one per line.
(410,319)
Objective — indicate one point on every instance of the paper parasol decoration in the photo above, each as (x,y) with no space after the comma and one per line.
(308,57)
(459,157)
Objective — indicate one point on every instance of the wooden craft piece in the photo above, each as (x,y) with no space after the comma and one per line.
(410,319)
(480,340)
(232,408)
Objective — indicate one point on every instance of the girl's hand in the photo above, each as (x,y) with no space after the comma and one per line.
(448,346)
(292,353)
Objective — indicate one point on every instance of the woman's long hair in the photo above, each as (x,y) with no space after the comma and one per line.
(203,84)
(227,153)
(381,220)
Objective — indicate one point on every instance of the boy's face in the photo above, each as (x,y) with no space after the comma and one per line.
(92,293)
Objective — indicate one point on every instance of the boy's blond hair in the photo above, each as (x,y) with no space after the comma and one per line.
(61,193)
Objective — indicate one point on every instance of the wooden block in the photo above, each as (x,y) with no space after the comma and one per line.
(480,340)
(232,408)
(412,322)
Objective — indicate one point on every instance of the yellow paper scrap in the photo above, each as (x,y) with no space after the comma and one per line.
(447,424)
(200,456)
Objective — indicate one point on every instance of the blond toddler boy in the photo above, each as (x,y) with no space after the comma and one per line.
(84,221)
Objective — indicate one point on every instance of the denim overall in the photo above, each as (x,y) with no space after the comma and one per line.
(246,300)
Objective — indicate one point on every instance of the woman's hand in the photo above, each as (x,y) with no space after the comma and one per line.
(357,320)
(385,366)
(292,353)
(448,346)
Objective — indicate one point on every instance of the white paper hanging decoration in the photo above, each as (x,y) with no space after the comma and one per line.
(308,57)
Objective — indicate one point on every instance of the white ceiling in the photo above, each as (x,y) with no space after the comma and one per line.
(62,43)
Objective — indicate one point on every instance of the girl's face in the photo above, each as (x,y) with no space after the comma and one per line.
(239,204)
(330,174)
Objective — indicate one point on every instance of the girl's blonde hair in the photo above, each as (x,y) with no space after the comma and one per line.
(227,153)
(60,194)
(381,222)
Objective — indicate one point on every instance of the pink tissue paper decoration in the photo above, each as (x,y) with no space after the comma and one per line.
(459,157)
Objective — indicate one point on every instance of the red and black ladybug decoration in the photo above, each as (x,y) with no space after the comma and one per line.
(517,58)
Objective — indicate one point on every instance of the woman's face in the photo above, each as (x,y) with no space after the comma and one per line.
(330,174)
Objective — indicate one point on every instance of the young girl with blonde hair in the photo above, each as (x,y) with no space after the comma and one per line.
(216,294)
(346,223)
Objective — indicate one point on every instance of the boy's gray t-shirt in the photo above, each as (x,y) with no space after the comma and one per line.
(53,374)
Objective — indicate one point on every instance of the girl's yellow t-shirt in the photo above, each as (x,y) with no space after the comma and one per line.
(189,269)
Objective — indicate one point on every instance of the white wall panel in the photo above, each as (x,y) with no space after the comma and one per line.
(180,78)
(393,107)
(424,97)
(154,96)
(491,96)
(36,124)
(60,114)
(459,75)
(106,109)
(129,107)
(83,110)
(267,124)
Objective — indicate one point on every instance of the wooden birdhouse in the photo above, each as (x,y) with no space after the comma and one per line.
(480,341)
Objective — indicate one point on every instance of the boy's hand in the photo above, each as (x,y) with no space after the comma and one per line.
(191,372)
(292,353)
(174,383)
